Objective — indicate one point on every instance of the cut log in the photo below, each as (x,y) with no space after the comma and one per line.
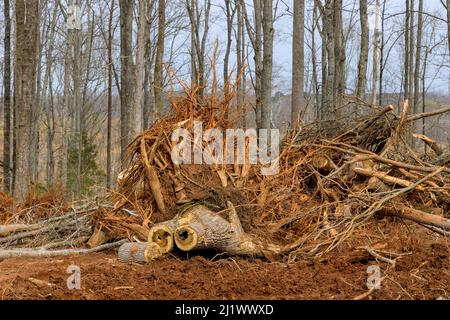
(162,235)
(200,228)
(135,252)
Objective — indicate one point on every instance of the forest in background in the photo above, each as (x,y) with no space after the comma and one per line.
(78,84)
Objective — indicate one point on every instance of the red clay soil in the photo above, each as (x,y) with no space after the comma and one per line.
(422,273)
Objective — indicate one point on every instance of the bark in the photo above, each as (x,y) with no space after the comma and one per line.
(110,84)
(315,80)
(266,81)
(375,56)
(328,109)
(26,28)
(255,35)
(415,107)
(127,112)
(230,12)
(298,64)
(339,48)
(363,51)
(139,90)
(240,63)
(406,73)
(43,100)
(148,78)
(411,52)
(382,45)
(418,216)
(158,84)
(142,253)
(42,252)
(199,42)
(7,100)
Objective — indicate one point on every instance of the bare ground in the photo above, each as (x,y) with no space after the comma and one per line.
(421,273)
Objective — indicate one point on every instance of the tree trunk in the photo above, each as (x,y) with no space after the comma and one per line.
(44,102)
(406,73)
(26,28)
(230,18)
(266,81)
(364,51)
(339,48)
(418,58)
(148,85)
(298,64)
(375,56)
(7,100)
(411,52)
(158,87)
(382,44)
(109,121)
(329,110)
(127,112)
(139,90)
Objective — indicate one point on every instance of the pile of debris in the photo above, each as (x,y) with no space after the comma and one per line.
(334,177)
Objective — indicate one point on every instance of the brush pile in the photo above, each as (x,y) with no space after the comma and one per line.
(333,178)
(45,226)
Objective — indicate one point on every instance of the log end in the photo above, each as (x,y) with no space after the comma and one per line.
(162,235)
(186,238)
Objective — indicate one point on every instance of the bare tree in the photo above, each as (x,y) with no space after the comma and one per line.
(298,63)
(127,112)
(26,29)
(198,51)
(158,84)
(140,55)
(407,50)
(7,100)
(266,81)
(375,55)
(415,102)
(110,87)
(255,35)
(230,12)
(363,51)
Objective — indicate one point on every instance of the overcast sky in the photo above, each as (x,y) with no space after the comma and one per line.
(437,75)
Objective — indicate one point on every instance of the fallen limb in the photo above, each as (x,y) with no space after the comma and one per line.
(418,216)
(429,142)
(387,178)
(44,253)
(428,114)
(153,179)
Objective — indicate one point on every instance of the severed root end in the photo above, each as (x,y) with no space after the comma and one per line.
(186,238)
(139,252)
